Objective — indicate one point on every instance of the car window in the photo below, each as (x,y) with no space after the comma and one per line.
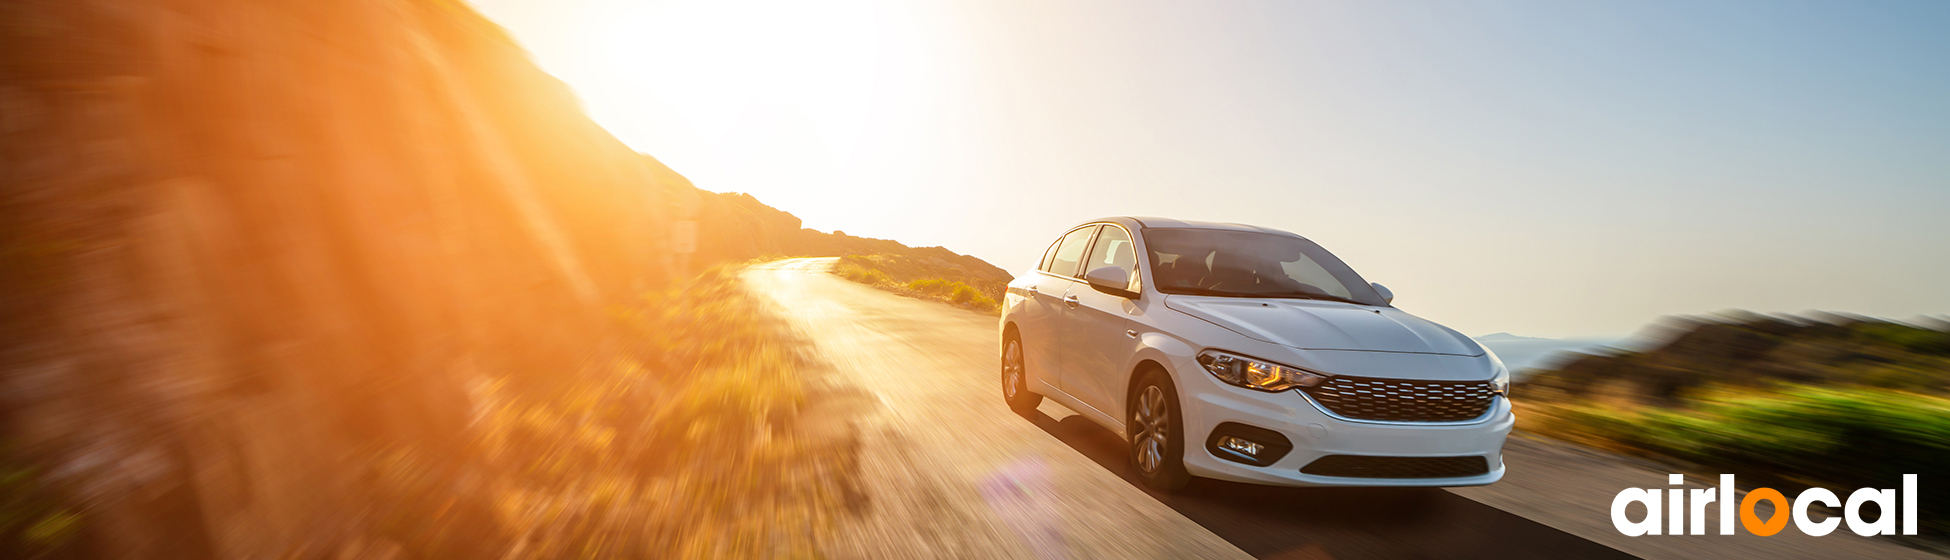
(1114,248)
(1250,264)
(1069,252)
(1048,254)
(1310,273)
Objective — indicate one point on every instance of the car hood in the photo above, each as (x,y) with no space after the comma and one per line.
(1322,325)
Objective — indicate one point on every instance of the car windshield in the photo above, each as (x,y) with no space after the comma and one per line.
(1229,263)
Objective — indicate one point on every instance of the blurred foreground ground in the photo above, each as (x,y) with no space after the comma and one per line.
(946,470)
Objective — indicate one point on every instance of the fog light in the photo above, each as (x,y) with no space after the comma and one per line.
(1248,448)
(1249,445)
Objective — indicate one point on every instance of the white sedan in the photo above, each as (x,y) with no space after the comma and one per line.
(1249,354)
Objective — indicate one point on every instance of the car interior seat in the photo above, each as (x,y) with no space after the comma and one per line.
(1229,270)
(1178,273)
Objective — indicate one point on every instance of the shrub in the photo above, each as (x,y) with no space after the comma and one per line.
(1914,339)
(871,270)
(864,275)
(953,292)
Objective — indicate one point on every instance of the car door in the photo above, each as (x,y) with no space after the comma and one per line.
(1041,335)
(1096,328)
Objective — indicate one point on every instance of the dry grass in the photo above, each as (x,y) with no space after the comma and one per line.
(684,446)
(872,271)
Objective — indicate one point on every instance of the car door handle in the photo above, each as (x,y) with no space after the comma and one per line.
(1032,289)
(1132,334)
(1071,301)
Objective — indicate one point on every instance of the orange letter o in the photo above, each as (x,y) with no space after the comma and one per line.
(1752,522)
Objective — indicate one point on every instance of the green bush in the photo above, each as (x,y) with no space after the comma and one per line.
(1914,339)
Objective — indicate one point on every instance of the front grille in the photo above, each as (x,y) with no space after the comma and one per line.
(1363,466)
(1364,398)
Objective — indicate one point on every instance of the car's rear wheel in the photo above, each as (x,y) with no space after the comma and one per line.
(1157,433)
(1015,378)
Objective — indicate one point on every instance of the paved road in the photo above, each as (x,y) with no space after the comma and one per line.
(949,471)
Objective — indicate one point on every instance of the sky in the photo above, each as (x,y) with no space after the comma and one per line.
(1547,168)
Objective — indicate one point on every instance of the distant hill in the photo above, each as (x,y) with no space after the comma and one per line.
(1756,350)
(736,227)
(1525,353)
(1505,337)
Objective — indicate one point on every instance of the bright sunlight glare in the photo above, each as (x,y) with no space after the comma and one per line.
(821,108)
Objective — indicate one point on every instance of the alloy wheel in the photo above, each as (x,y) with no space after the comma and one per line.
(1153,419)
(1012,370)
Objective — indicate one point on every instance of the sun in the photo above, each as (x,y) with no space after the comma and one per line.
(713,65)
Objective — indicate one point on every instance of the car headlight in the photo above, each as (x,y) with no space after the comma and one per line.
(1501,379)
(1253,373)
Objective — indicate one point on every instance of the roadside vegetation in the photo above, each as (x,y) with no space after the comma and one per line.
(33,520)
(1840,403)
(765,258)
(684,446)
(921,279)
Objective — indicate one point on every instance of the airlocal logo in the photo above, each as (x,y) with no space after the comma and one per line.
(1677,512)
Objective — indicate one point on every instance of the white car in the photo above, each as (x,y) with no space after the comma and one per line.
(1248,354)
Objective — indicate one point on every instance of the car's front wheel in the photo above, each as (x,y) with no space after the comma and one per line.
(1015,379)
(1157,433)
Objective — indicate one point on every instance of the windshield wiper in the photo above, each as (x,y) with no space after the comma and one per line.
(1188,291)
(1305,295)
(1279,295)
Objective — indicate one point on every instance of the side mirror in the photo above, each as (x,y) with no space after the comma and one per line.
(1111,280)
(1387,297)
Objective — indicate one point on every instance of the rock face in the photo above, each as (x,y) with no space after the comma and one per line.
(246,241)
(735,227)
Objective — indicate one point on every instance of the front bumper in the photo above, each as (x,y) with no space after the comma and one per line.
(1315,434)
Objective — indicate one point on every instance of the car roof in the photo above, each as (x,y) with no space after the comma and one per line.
(1155,222)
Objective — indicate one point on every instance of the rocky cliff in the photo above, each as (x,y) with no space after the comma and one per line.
(245,242)
(735,227)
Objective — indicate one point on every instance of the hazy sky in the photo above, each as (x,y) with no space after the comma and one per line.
(1547,168)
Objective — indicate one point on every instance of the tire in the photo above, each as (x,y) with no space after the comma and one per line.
(1015,378)
(1157,432)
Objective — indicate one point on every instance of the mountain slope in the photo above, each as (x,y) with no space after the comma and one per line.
(1758,350)
(246,243)
(249,250)
(735,227)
